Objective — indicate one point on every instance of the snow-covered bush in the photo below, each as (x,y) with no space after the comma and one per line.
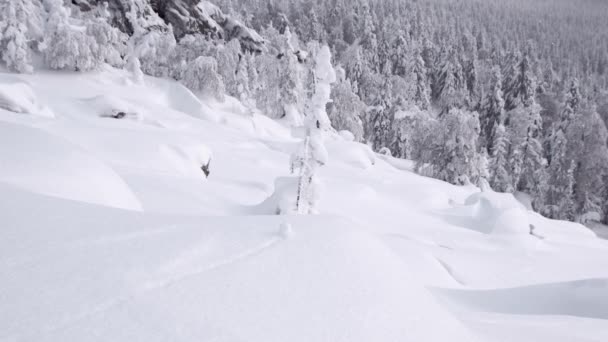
(201,76)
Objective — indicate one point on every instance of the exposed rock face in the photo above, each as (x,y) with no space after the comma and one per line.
(185,17)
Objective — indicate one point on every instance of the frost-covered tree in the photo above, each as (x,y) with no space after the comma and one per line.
(243,87)
(499,167)
(227,56)
(521,84)
(450,87)
(110,42)
(590,134)
(492,111)
(290,82)
(452,150)
(14,48)
(380,119)
(313,153)
(201,76)
(421,95)
(526,152)
(66,46)
(559,194)
(346,108)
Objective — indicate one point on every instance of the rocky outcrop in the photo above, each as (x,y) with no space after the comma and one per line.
(184,16)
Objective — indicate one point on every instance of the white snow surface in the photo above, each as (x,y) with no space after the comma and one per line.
(110,231)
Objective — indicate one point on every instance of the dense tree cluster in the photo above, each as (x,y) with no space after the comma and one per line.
(509,92)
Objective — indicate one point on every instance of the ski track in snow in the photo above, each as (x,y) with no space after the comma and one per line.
(149,286)
(450,271)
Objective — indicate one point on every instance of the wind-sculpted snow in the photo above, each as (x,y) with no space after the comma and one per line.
(585,298)
(45,164)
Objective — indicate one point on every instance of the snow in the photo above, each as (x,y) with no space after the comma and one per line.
(18,97)
(110,231)
(47,164)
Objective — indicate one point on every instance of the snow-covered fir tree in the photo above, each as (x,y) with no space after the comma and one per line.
(492,111)
(313,154)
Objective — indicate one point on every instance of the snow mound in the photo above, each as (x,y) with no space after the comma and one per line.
(346,135)
(42,163)
(491,212)
(184,100)
(19,97)
(351,153)
(283,199)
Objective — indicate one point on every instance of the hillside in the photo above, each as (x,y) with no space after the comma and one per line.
(110,231)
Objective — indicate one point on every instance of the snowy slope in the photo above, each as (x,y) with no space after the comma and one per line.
(109,231)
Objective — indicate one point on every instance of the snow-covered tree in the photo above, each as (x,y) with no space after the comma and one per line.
(499,168)
(227,56)
(589,134)
(14,48)
(559,195)
(380,118)
(492,111)
(421,95)
(346,108)
(526,152)
(452,150)
(67,46)
(201,77)
(313,153)
(110,43)
(450,88)
(290,82)
(521,84)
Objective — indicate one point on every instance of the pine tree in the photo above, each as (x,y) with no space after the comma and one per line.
(346,109)
(492,112)
(450,91)
(521,85)
(421,95)
(559,196)
(500,170)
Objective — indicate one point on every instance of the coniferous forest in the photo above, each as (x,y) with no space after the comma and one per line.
(511,94)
